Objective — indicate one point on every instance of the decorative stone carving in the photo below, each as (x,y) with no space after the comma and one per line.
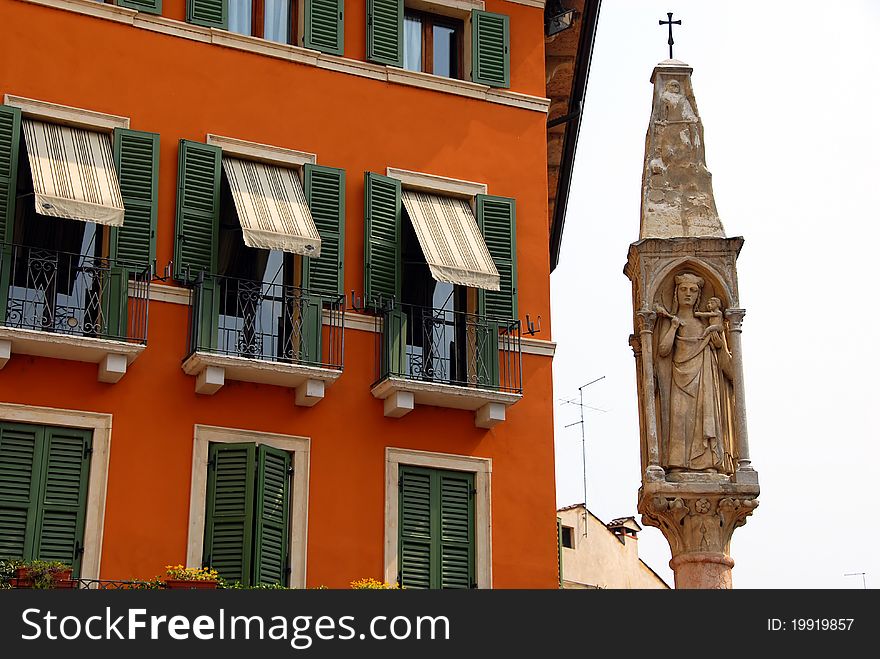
(694,371)
(699,522)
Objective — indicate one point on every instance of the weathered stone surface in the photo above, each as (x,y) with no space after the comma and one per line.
(677,198)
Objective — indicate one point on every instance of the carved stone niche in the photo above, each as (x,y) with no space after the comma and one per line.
(687,324)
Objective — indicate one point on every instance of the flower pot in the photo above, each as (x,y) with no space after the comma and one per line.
(60,579)
(188,584)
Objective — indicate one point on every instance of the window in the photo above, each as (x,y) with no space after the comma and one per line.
(44,476)
(567,534)
(321,21)
(262,243)
(433,44)
(269,19)
(79,222)
(247,513)
(445,277)
(436,544)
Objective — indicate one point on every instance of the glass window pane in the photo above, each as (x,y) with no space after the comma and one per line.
(240,16)
(412,43)
(445,51)
(276,25)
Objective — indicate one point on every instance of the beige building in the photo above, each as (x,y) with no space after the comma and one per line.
(598,555)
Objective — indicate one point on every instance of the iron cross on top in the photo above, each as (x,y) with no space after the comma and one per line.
(670,23)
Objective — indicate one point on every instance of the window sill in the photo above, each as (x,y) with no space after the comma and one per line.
(112,357)
(401,396)
(212,371)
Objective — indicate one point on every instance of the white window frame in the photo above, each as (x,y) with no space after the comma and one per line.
(298,447)
(482,470)
(96,497)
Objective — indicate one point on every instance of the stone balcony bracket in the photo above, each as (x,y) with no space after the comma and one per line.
(401,395)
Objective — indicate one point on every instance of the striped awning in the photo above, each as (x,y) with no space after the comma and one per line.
(451,240)
(73,173)
(272,207)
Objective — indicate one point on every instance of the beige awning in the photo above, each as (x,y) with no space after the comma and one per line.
(73,172)
(451,240)
(272,207)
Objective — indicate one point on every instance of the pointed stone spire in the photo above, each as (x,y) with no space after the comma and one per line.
(677,198)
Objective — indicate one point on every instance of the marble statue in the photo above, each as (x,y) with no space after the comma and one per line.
(694,374)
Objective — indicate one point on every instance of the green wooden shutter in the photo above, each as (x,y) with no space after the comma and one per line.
(136,155)
(20,468)
(229,514)
(456,551)
(209,13)
(133,245)
(10,135)
(148,6)
(205,314)
(496,217)
(487,367)
(61,511)
(312,322)
(491,48)
(415,542)
(385,32)
(325,193)
(324,22)
(382,239)
(114,306)
(271,533)
(394,343)
(198,209)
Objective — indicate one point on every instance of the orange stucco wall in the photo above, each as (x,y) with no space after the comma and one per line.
(184,89)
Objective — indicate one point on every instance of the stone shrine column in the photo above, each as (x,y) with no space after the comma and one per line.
(698,484)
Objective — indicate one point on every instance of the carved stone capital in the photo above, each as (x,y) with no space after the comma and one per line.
(735,317)
(646,320)
(697,522)
(636,345)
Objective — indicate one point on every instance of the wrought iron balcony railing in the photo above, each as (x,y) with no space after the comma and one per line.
(451,347)
(75,294)
(266,321)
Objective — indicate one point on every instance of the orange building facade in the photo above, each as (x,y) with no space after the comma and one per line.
(349,443)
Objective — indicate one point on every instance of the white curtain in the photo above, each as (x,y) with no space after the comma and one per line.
(240,16)
(412,43)
(276,26)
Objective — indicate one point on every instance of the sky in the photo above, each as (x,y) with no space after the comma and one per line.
(789,98)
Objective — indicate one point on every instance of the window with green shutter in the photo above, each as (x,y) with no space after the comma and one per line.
(247,516)
(44,473)
(436,545)
(324,25)
(490,43)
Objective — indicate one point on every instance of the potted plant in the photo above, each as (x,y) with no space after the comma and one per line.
(373,584)
(41,574)
(188,578)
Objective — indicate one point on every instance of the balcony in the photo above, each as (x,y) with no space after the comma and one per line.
(449,359)
(73,306)
(268,333)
